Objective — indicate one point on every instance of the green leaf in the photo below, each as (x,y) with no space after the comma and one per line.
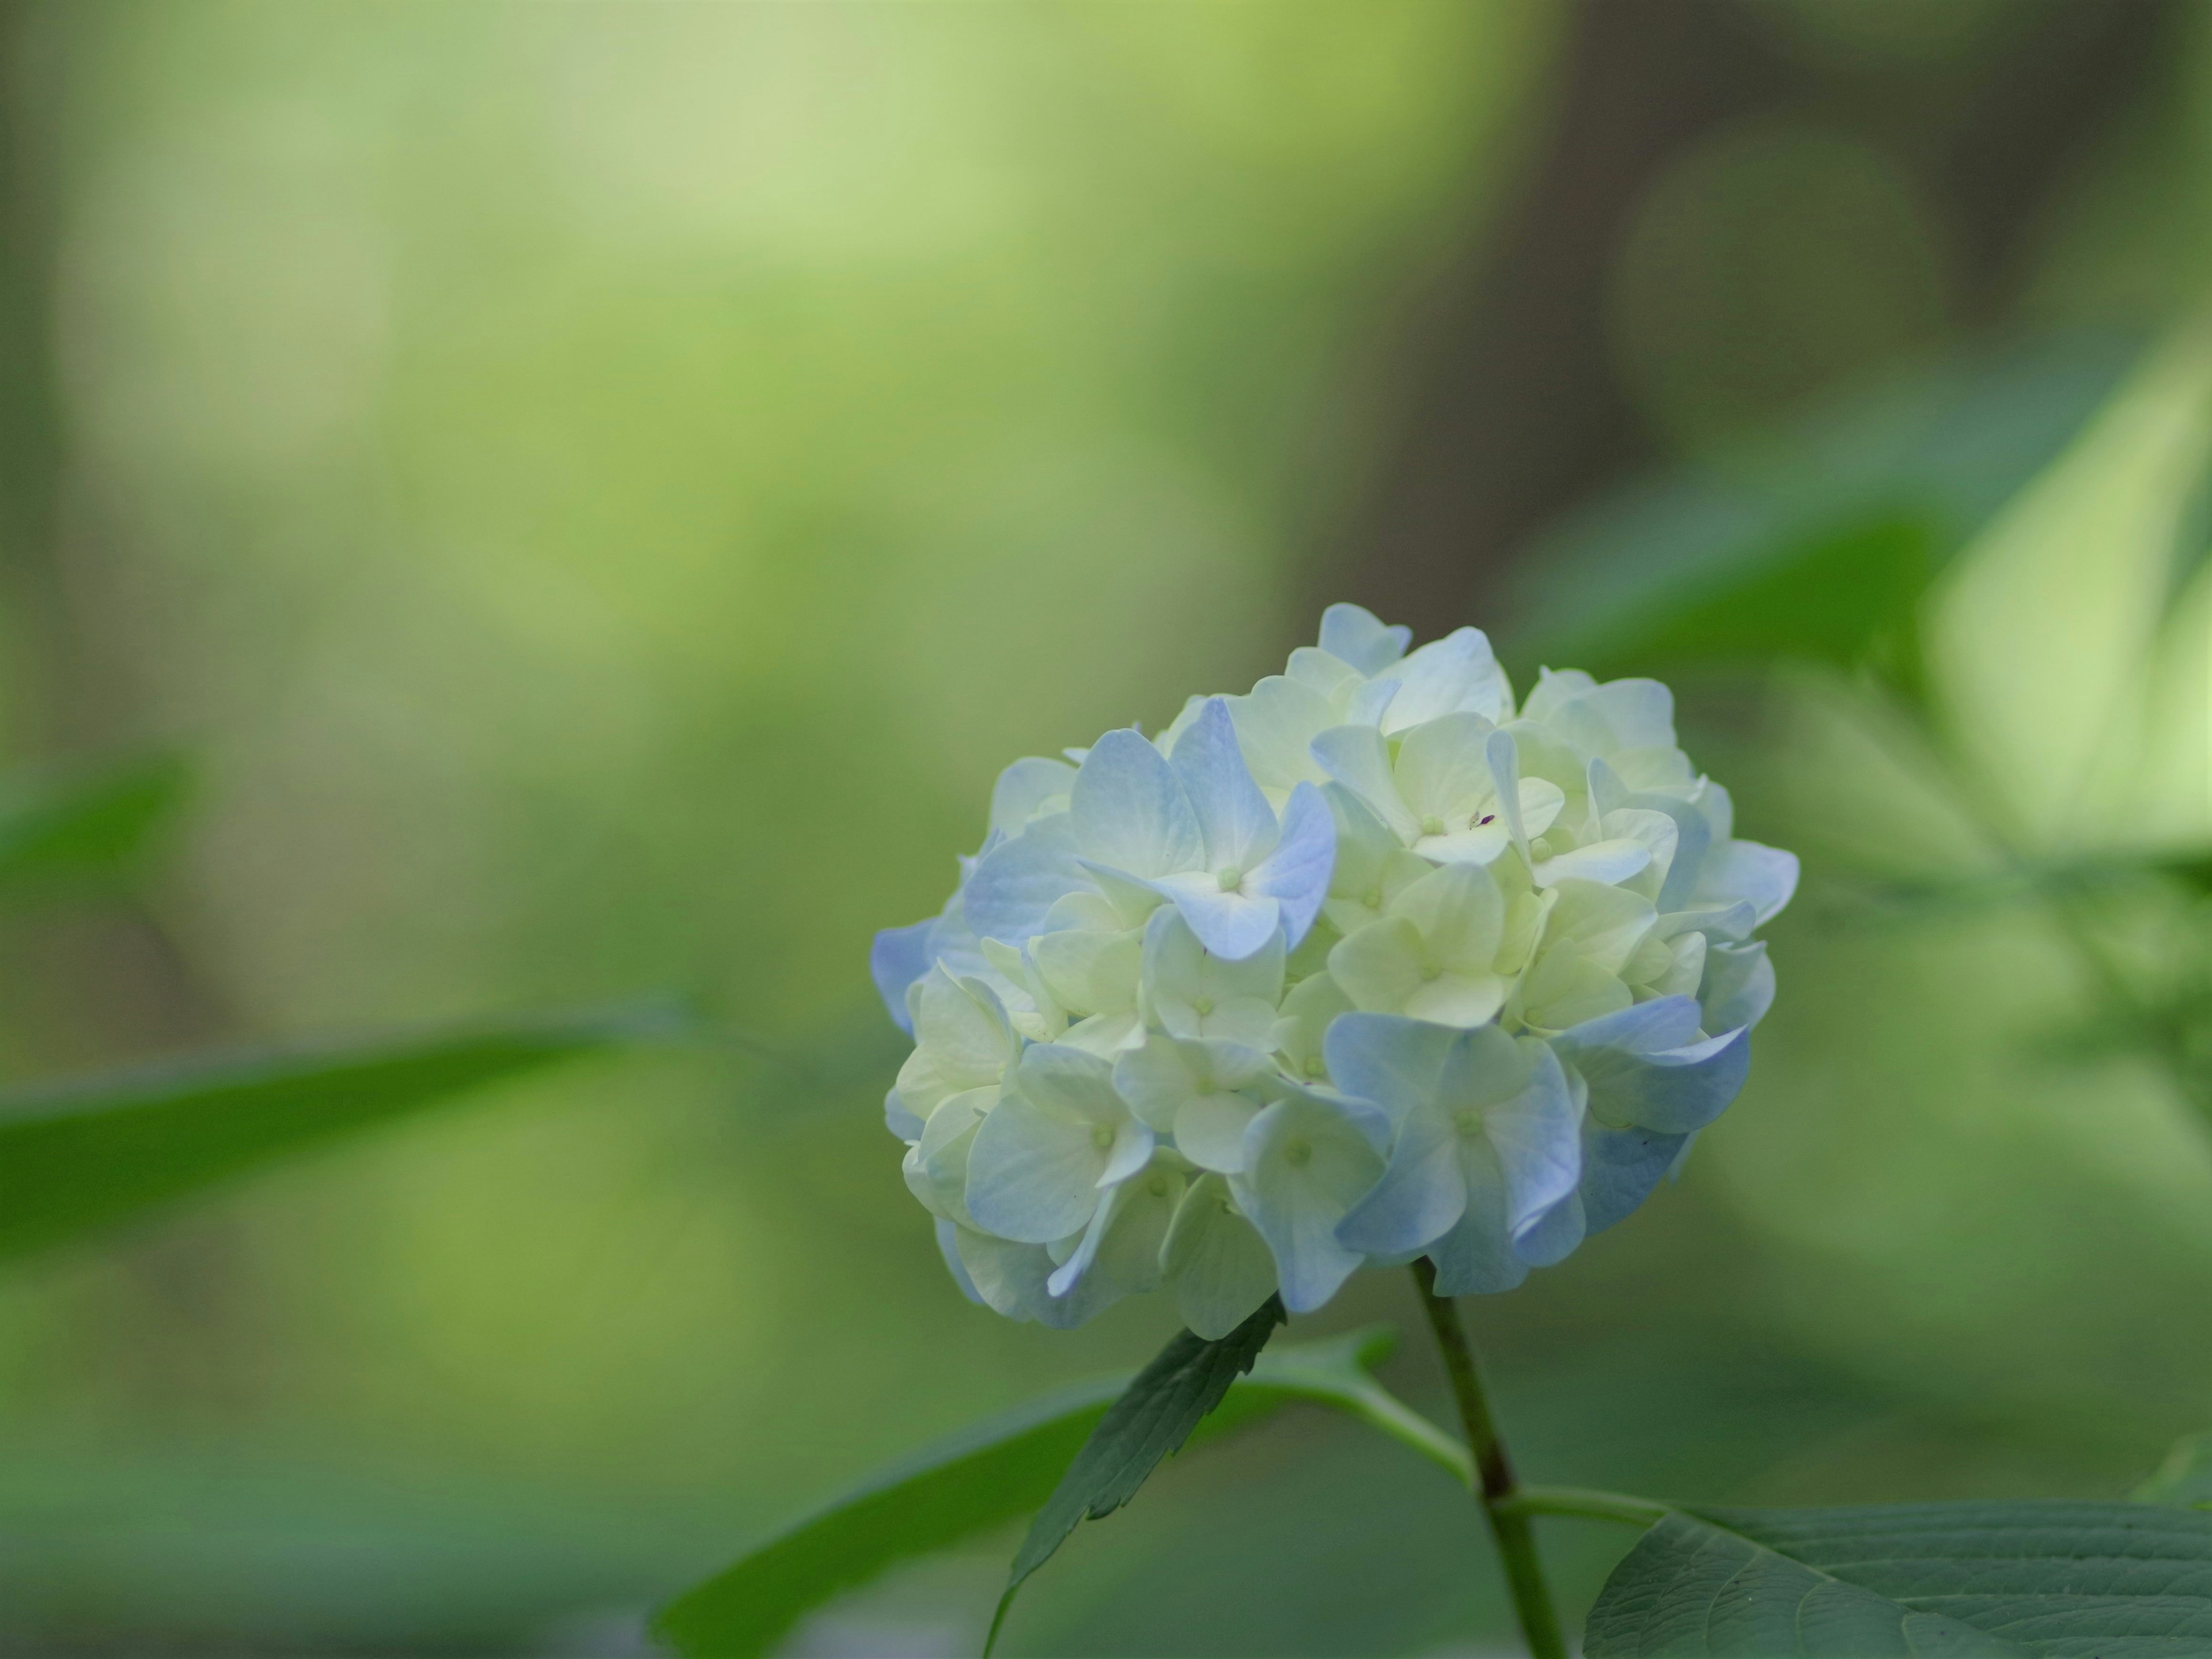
(2114,1581)
(86,824)
(1168,1398)
(997,1472)
(1817,542)
(89,1152)
(2185,1480)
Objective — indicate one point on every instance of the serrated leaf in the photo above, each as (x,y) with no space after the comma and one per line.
(994,1473)
(2056,1580)
(2185,1480)
(85,1152)
(89,823)
(1168,1398)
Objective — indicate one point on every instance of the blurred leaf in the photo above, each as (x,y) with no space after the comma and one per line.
(2048,634)
(1816,543)
(1005,1468)
(2185,1480)
(1843,888)
(2111,1580)
(89,823)
(85,1152)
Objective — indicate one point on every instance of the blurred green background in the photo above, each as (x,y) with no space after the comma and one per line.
(597,492)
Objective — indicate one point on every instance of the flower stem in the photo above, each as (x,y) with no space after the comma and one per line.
(1494,1485)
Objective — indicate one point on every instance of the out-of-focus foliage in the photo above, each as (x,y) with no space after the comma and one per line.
(597,493)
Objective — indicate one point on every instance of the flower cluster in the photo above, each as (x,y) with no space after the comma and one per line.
(1366,964)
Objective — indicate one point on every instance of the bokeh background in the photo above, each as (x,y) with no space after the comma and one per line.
(595,492)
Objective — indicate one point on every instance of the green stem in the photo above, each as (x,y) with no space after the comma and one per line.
(1589,1504)
(1494,1486)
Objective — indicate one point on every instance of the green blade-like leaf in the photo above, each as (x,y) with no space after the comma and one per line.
(2114,1581)
(1169,1398)
(995,1472)
(87,824)
(87,1151)
(2185,1480)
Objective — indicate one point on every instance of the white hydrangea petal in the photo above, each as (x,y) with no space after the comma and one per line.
(1235,821)
(1326,673)
(1131,1150)
(1276,726)
(1188,989)
(900,1119)
(1356,636)
(1065,1276)
(1358,758)
(1030,788)
(1442,773)
(1554,689)
(1460,913)
(1209,1130)
(1633,713)
(1128,811)
(1745,870)
(1087,971)
(1606,862)
(964,1026)
(1009,1277)
(1379,968)
(1461,999)
(1308,1159)
(1454,674)
(1035,1167)
(1221,1267)
(1308,1012)
(1017,882)
(1296,874)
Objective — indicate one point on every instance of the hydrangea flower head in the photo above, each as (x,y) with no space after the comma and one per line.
(1367,964)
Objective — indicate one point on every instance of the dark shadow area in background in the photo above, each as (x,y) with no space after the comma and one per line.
(1512,406)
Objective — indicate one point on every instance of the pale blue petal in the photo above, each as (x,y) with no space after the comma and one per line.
(948,1246)
(1232,926)
(1025,787)
(1739,986)
(1556,1235)
(1537,1136)
(1129,809)
(1394,1062)
(1233,818)
(1064,1278)
(1634,1081)
(1693,830)
(899,1120)
(1504,755)
(899,956)
(1209,1131)
(1420,1197)
(1296,874)
(1620,1168)
(1608,863)
(1354,635)
(1766,876)
(1019,881)
(1297,1203)
(1476,1257)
